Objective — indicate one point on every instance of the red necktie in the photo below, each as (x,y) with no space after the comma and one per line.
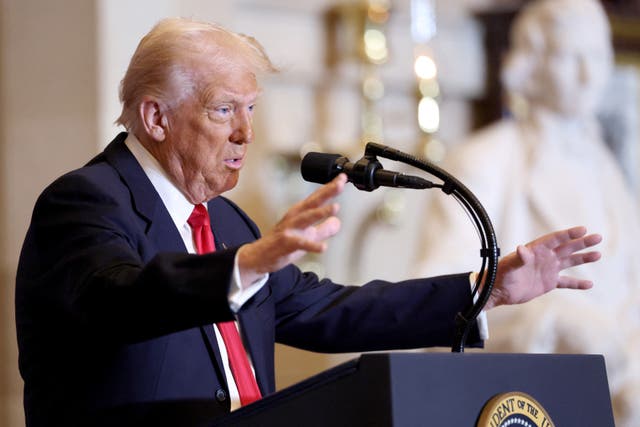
(238,360)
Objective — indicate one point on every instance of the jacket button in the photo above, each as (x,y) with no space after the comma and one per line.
(221,395)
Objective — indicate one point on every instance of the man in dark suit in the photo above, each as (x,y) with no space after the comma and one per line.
(116,301)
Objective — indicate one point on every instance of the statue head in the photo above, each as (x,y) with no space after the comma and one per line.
(560,57)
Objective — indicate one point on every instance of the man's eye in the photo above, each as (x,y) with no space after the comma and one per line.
(220,113)
(225,110)
(252,107)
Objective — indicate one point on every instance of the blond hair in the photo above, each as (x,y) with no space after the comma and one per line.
(163,63)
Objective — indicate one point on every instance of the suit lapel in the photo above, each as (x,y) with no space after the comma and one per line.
(145,198)
(161,229)
(147,203)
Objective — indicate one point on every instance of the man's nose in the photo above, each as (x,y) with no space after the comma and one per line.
(243,128)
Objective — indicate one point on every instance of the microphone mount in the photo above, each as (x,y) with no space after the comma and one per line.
(489,251)
(366,168)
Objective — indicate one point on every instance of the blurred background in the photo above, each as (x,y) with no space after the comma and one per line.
(418,75)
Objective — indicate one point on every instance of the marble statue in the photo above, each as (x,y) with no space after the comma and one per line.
(547,167)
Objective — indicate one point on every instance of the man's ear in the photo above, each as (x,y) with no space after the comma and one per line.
(153,117)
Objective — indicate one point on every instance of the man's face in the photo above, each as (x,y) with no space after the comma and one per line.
(206,141)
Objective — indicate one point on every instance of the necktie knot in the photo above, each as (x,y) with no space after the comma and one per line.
(201,230)
(199,217)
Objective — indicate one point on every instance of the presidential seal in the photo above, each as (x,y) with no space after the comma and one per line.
(514,409)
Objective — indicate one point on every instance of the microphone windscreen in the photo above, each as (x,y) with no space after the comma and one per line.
(319,167)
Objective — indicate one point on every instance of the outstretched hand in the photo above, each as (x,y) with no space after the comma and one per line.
(304,228)
(534,269)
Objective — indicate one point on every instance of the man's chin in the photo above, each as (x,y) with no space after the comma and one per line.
(230,182)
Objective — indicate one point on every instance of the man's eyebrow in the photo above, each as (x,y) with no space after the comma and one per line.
(230,98)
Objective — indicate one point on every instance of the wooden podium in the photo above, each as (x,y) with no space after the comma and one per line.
(438,389)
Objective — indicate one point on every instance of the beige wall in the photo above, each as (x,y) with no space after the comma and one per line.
(48,117)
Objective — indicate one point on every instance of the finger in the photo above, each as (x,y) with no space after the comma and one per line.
(557,238)
(318,233)
(567,282)
(578,259)
(525,254)
(294,242)
(309,238)
(576,232)
(578,245)
(323,194)
(328,191)
(311,216)
(328,228)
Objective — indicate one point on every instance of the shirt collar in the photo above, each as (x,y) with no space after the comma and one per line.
(176,203)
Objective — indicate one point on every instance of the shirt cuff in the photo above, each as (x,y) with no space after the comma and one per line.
(237,295)
(481,320)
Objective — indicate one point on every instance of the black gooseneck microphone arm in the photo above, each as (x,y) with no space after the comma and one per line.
(489,251)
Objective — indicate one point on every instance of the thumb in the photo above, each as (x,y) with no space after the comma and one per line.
(525,254)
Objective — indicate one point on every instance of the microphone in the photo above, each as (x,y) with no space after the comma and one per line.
(366,174)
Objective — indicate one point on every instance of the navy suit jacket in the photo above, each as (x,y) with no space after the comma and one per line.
(114,317)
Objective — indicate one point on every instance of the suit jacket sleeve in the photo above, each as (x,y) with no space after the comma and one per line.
(324,316)
(377,316)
